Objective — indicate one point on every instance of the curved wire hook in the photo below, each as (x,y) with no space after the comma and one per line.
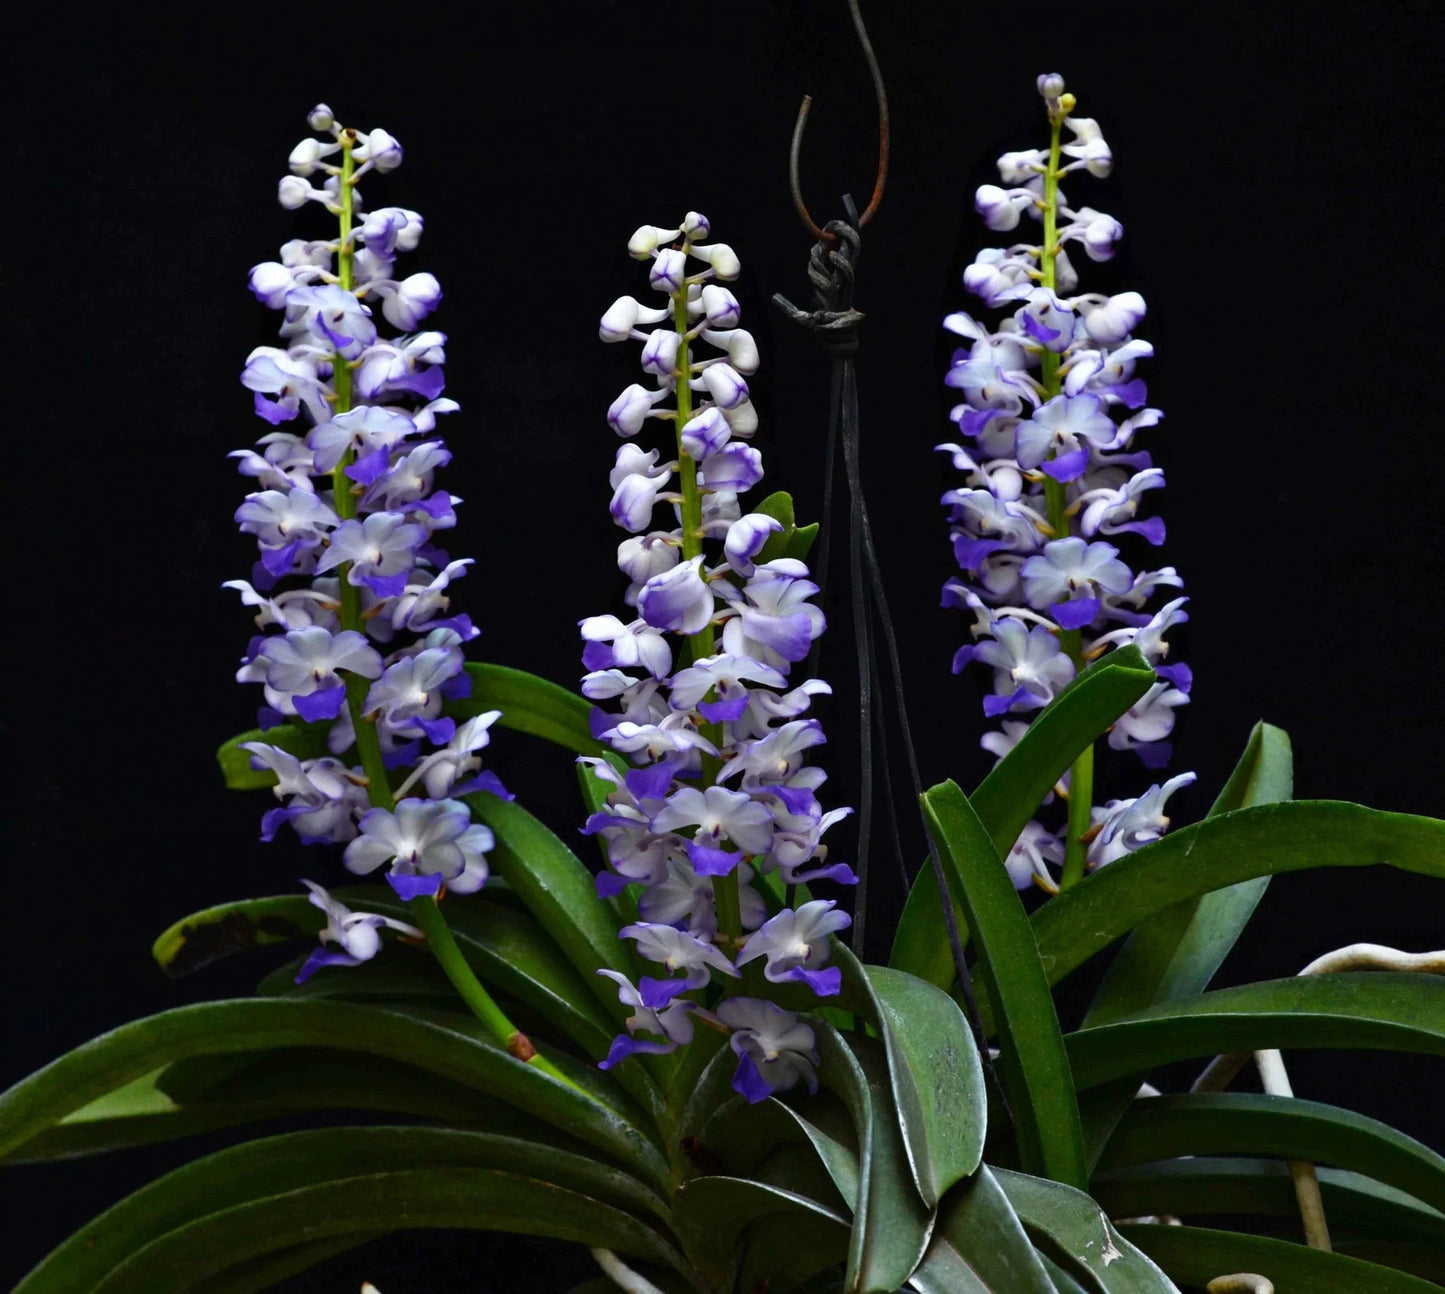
(799,205)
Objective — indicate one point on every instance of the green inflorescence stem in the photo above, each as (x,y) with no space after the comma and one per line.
(703,643)
(428,915)
(1081,779)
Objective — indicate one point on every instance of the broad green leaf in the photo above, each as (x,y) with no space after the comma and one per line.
(1383,1011)
(1072,1230)
(711,1213)
(830,1133)
(1424,1260)
(1226,850)
(270,1270)
(936,1078)
(450,1050)
(792,540)
(528,704)
(979,1244)
(560,892)
(890,1220)
(275,1165)
(304,740)
(1227,1123)
(1193,1256)
(1010,795)
(479,1199)
(254,1088)
(505,947)
(1035,1068)
(1174,953)
(789,1250)
(1262,1188)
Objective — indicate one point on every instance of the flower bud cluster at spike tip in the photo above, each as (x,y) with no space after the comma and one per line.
(695,690)
(1050,409)
(351,586)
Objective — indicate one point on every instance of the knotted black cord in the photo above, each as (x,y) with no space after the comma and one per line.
(835,322)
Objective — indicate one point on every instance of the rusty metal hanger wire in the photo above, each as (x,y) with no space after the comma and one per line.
(823,235)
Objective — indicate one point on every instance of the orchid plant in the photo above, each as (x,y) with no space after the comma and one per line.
(669,1055)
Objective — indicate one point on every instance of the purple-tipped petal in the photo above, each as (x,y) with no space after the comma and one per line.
(748,1083)
(1076,613)
(324,957)
(324,703)
(410,887)
(712,862)
(827,982)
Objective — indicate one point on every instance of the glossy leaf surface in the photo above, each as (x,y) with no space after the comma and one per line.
(1377,1011)
(1223,851)
(1194,1256)
(1010,795)
(1035,1067)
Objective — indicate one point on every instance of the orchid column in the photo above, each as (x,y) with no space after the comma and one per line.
(352,585)
(1051,406)
(720,798)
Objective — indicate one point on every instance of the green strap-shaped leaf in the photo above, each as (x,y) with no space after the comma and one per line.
(474,1199)
(1072,1230)
(261,1086)
(277,1164)
(1194,1256)
(1215,1123)
(979,1245)
(505,947)
(793,540)
(304,740)
(529,704)
(450,1050)
(936,1079)
(1379,1011)
(711,1213)
(830,1132)
(1174,953)
(890,1220)
(1035,1067)
(1010,795)
(270,1270)
(1226,850)
(1263,1188)
(560,892)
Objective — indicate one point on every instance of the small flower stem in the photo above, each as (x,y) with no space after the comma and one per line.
(368,745)
(702,644)
(1081,778)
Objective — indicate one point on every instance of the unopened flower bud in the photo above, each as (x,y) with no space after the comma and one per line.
(720,307)
(724,385)
(621,317)
(293,192)
(382,151)
(722,258)
(659,355)
(648,239)
(1051,85)
(695,225)
(743,351)
(320,118)
(305,156)
(668,270)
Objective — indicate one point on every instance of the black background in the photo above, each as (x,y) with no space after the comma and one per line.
(1278,177)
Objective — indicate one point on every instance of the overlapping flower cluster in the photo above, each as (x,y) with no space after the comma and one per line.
(351,585)
(1051,406)
(697,692)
